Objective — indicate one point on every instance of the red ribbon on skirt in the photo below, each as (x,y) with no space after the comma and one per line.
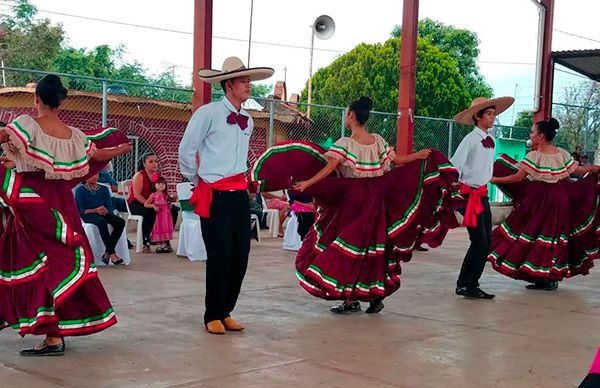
(203,192)
(474,204)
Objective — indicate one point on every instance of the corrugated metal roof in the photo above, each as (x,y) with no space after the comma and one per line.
(586,62)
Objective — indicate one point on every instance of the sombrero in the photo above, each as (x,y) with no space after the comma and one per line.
(233,67)
(501,104)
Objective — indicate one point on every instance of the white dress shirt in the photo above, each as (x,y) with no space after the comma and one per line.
(474,162)
(222,147)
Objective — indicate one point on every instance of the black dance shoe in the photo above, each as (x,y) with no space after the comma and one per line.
(346,308)
(45,350)
(474,293)
(544,285)
(375,305)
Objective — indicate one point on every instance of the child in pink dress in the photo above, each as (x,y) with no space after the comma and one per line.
(162,232)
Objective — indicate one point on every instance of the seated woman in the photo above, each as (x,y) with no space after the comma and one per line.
(140,191)
(96,207)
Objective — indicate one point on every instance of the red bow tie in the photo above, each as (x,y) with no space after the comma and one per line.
(488,142)
(238,119)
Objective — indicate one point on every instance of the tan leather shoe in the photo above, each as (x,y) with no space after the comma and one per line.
(232,325)
(215,327)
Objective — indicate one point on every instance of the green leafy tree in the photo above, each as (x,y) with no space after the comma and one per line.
(579,116)
(462,45)
(524,119)
(30,44)
(373,70)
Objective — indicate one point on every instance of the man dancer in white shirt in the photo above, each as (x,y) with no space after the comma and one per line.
(213,155)
(474,159)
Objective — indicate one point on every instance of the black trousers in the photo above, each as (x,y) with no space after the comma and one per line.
(109,239)
(481,241)
(227,238)
(305,221)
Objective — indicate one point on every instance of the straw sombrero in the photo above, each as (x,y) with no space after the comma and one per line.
(233,67)
(501,104)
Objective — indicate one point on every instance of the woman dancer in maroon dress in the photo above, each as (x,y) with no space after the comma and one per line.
(48,280)
(552,232)
(371,218)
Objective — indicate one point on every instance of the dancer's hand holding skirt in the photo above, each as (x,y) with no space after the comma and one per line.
(365,227)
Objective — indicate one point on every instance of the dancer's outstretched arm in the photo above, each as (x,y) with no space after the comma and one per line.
(585,169)
(403,159)
(514,178)
(104,154)
(325,172)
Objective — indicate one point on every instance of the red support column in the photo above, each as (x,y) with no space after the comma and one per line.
(406,82)
(203,15)
(547,66)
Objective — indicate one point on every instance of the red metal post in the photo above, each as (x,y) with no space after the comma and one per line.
(547,66)
(406,82)
(203,15)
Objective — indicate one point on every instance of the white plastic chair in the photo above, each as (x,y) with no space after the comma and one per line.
(255,224)
(139,234)
(98,248)
(190,242)
(291,238)
(272,220)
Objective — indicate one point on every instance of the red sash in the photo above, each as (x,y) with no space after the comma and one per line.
(474,204)
(203,193)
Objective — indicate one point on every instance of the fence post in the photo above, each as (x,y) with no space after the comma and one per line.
(343,110)
(271,118)
(585,128)
(137,154)
(450,130)
(104,103)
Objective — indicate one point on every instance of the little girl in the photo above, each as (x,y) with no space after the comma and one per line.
(162,232)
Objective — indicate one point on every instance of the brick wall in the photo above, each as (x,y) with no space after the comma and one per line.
(163,136)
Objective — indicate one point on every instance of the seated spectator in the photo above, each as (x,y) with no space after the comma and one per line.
(304,208)
(140,191)
(279,202)
(585,160)
(256,208)
(106,178)
(95,207)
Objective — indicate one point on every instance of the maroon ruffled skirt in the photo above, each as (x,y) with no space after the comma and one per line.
(552,233)
(365,227)
(48,279)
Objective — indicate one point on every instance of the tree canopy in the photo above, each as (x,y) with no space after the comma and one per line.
(447,77)
(462,45)
(37,44)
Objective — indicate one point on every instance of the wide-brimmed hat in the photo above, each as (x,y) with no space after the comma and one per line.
(480,103)
(233,67)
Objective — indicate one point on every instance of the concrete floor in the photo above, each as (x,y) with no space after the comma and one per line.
(425,337)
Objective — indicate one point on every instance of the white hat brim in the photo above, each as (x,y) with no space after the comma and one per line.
(501,104)
(216,76)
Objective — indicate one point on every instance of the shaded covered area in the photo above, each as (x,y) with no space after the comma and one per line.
(584,62)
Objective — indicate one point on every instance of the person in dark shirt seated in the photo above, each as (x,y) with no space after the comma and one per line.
(95,207)
(304,208)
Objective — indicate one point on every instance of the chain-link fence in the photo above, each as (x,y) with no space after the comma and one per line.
(155,118)
(579,128)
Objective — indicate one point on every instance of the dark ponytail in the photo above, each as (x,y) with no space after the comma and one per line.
(51,91)
(361,109)
(548,128)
